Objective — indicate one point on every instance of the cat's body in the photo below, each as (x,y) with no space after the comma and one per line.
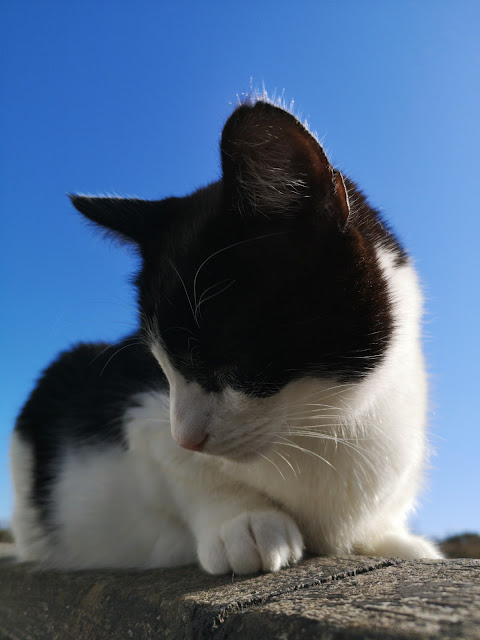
(286,320)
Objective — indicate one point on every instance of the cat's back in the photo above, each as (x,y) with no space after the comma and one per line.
(79,404)
(86,390)
(75,413)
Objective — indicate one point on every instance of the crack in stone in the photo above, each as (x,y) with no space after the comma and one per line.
(249,603)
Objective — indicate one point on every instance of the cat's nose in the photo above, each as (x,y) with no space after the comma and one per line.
(193,444)
(190,432)
(191,414)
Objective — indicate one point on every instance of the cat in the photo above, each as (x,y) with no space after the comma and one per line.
(273,400)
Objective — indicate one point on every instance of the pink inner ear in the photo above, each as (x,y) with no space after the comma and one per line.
(341,196)
(311,153)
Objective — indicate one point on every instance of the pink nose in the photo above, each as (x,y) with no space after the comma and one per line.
(193,445)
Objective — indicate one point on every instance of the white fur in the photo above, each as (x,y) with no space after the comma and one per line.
(264,486)
(30,538)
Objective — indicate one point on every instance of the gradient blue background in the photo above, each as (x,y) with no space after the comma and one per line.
(130,98)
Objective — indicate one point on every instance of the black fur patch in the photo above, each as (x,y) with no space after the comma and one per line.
(255,303)
(80,400)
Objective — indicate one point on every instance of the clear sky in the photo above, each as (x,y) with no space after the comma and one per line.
(129,97)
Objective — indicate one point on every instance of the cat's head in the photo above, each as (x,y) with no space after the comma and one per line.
(259,285)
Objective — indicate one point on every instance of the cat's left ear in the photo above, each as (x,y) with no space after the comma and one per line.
(128,219)
(273,165)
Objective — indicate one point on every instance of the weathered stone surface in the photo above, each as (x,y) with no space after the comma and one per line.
(422,599)
(341,597)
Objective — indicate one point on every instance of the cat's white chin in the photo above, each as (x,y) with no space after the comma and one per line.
(239,451)
(244,457)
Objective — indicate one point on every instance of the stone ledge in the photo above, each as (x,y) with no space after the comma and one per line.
(330,597)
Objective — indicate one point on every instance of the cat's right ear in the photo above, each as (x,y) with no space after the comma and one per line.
(273,165)
(127,219)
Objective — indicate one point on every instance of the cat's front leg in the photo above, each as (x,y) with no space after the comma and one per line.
(237,530)
(252,541)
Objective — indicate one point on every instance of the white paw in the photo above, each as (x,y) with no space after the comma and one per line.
(401,545)
(252,541)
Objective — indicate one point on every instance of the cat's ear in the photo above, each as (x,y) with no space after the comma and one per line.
(128,219)
(272,165)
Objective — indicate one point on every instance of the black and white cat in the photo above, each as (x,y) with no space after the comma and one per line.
(274,398)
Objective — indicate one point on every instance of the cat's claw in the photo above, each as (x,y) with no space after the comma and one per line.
(253,541)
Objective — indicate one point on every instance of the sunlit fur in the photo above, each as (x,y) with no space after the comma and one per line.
(322,465)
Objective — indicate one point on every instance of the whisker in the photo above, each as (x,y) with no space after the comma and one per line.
(312,415)
(230,246)
(213,295)
(288,443)
(321,394)
(185,289)
(287,461)
(133,344)
(348,443)
(110,346)
(271,462)
(299,431)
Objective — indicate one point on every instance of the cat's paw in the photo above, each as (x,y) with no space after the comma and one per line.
(400,545)
(253,541)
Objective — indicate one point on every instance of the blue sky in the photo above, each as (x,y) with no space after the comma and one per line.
(130,97)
